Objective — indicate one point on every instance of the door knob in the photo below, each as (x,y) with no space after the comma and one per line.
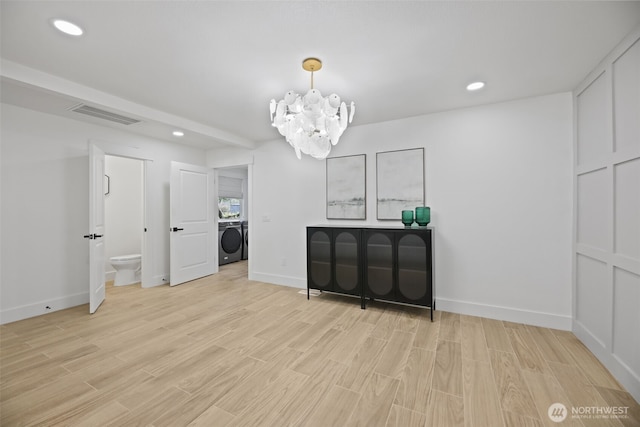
(176,229)
(88,236)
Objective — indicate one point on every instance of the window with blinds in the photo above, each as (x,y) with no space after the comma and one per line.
(229,197)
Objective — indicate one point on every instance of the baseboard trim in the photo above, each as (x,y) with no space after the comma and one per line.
(292,282)
(109,276)
(528,317)
(39,308)
(618,369)
(156,281)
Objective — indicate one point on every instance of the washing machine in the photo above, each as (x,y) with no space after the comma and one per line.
(245,239)
(230,238)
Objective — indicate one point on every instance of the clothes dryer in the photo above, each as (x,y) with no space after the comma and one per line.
(245,239)
(230,242)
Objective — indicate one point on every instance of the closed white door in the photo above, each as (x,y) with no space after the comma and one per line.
(96,228)
(192,223)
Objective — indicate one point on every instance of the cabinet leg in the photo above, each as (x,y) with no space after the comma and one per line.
(307,293)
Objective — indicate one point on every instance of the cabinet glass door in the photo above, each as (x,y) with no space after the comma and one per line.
(346,256)
(379,264)
(412,268)
(320,259)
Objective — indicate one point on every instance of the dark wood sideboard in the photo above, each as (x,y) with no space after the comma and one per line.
(393,264)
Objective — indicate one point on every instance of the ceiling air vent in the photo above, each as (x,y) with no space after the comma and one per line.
(105,115)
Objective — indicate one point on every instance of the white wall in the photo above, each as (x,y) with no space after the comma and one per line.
(45,206)
(607,213)
(498,180)
(123,209)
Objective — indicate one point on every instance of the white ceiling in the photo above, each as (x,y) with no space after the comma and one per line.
(211,67)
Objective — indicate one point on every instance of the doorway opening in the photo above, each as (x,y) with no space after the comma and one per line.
(232,185)
(124,191)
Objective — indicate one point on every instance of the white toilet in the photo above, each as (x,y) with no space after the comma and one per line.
(127,269)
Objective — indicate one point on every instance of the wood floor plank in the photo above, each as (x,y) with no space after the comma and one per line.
(517,420)
(415,381)
(549,345)
(350,341)
(374,406)
(334,410)
(313,359)
(310,394)
(481,403)
(394,357)
(213,416)
(445,410)
(527,351)
(103,414)
(581,393)
(447,370)
(38,403)
(622,399)
(597,374)
(362,364)
(496,335)
(513,392)
(265,409)
(474,344)
(403,417)
(386,325)
(72,410)
(153,409)
(449,326)
(427,334)
(546,391)
(245,392)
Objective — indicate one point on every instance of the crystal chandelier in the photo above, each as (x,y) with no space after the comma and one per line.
(311,123)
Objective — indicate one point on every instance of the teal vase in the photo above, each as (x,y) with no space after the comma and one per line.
(407,218)
(423,215)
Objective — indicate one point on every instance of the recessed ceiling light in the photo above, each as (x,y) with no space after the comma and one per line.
(475,86)
(67,27)
(178,133)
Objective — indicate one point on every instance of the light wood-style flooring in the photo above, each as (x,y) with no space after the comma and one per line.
(224,351)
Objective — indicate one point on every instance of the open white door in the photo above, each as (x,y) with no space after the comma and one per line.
(192,223)
(96,228)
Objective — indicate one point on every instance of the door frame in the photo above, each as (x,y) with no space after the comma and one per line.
(146,249)
(249,204)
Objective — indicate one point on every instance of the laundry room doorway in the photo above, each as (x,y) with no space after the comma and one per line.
(233,217)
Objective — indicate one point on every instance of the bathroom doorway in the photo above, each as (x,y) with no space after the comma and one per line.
(124,211)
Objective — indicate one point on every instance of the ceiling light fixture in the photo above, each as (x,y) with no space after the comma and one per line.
(311,123)
(68,27)
(178,133)
(475,86)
